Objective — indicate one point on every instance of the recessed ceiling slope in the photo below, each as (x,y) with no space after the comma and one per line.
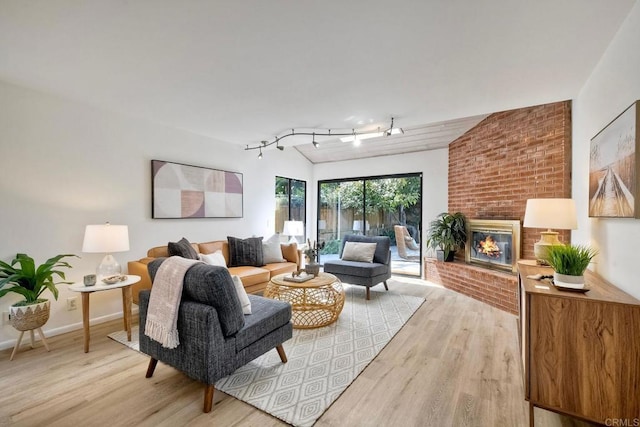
(247,70)
(420,138)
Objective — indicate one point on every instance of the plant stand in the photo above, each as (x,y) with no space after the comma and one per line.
(44,340)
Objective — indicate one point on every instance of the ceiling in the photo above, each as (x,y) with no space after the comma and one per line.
(246,71)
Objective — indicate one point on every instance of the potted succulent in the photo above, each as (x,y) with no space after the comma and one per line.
(24,278)
(569,263)
(447,233)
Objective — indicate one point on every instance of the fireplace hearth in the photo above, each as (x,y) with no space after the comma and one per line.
(493,243)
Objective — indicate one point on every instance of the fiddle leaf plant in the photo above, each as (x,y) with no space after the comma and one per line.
(448,232)
(24,278)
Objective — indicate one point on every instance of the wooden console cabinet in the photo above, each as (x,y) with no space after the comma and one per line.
(580,351)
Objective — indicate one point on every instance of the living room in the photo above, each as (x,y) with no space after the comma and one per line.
(72,158)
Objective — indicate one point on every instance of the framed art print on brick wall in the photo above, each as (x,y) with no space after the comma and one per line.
(613,167)
(185,191)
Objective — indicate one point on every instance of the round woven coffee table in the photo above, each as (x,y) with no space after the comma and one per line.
(314,303)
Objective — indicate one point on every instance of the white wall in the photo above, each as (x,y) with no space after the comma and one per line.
(612,86)
(432,164)
(65,165)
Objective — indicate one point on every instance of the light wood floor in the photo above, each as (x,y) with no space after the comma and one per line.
(455,363)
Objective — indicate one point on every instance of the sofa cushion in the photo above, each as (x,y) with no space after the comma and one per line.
(213,286)
(251,275)
(268,315)
(271,250)
(359,251)
(355,268)
(182,248)
(381,254)
(280,268)
(215,258)
(214,246)
(245,251)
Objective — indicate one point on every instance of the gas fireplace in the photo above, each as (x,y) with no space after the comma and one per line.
(493,243)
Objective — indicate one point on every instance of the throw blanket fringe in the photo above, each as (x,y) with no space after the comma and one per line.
(164,302)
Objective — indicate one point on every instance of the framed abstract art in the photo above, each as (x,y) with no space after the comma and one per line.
(184,191)
(613,168)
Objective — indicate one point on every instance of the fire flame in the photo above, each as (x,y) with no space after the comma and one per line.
(489,247)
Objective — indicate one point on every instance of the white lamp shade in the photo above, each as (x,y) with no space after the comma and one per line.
(551,213)
(105,238)
(293,228)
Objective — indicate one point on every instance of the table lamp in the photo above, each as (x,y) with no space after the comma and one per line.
(106,238)
(549,213)
(293,229)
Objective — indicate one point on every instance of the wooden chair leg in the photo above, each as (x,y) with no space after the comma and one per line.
(385,285)
(152,367)
(368,294)
(208,398)
(281,353)
(15,349)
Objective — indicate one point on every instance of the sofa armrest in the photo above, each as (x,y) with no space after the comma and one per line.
(139,268)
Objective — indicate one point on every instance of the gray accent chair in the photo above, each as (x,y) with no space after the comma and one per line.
(215,337)
(363,273)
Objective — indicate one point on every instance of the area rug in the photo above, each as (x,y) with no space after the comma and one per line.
(321,362)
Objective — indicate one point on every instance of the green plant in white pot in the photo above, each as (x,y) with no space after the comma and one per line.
(569,263)
(23,277)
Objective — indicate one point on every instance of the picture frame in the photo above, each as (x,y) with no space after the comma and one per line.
(186,191)
(614,174)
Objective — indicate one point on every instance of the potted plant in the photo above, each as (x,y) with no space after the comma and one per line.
(447,233)
(311,252)
(24,278)
(569,263)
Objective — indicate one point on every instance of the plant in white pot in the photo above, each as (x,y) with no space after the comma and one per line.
(569,263)
(23,277)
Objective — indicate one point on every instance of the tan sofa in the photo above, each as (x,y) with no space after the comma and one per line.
(254,279)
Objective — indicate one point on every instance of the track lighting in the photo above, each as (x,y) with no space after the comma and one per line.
(354,136)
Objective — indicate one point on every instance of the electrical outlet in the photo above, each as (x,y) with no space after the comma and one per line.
(5,318)
(72,303)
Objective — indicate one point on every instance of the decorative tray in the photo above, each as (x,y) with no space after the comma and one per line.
(563,288)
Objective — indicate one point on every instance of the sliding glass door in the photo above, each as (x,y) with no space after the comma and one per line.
(373,206)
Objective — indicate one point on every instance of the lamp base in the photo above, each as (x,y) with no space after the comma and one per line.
(541,247)
(108,267)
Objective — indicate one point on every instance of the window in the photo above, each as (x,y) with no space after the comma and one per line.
(291,202)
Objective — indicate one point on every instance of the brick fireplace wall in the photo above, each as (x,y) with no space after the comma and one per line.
(494,168)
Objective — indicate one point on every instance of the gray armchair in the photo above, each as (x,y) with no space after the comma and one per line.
(363,273)
(215,337)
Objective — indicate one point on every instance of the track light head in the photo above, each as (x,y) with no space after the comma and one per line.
(260,155)
(280,147)
(315,143)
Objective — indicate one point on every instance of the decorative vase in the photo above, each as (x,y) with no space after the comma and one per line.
(312,268)
(567,281)
(28,317)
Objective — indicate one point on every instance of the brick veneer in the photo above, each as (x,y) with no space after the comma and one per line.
(494,168)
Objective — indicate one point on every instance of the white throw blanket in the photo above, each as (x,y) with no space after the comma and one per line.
(164,302)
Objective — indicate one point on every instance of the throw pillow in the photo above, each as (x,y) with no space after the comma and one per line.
(271,250)
(182,248)
(245,252)
(215,258)
(242,295)
(359,251)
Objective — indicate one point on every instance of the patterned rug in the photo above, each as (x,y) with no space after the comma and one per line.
(321,362)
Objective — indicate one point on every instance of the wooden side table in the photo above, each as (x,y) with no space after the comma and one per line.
(98,287)
(314,303)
